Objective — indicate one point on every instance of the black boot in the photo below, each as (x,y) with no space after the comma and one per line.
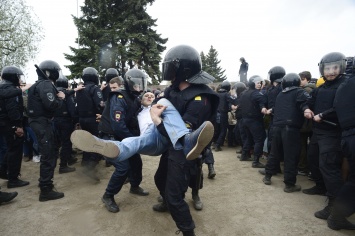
(338,222)
(217,147)
(245,156)
(66,169)
(110,203)
(211,172)
(256,163)
(160,207)
(15,183)
(188,233)
(6,197)
(325,213)
(47,194)
(198,205)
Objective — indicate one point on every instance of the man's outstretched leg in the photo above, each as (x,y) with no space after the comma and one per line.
(87,142)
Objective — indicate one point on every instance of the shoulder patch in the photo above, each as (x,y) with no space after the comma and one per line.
(50,97)
(99,94)
(198,98)
(119,96)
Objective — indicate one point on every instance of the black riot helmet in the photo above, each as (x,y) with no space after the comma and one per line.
(239,87)
(225,85)
(62,82)
(276,74)
(253,80)
(350,69)
(290,80)
(90,74)
(13,74)
(183,63)
(332,60)
(110,73)
(135,81)
(51,69)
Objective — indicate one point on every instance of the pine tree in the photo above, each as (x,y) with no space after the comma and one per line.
(116,34)
(212,65)
(203,60)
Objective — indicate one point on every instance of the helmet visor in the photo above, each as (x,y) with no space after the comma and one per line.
(137,84)
(169,69)
(332,69)
(22,79)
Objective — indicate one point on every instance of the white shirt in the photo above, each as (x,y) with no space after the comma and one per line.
(144,119)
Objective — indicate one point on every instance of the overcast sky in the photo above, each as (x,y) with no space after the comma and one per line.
(288,33)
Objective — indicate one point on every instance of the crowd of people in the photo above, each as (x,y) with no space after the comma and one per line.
(285,118)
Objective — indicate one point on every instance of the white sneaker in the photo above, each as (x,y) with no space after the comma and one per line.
(36,158)
(87,142)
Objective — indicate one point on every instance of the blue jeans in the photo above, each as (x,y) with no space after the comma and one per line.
(151,142)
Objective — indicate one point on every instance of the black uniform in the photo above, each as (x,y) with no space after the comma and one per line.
(344,107)
(9,92)
(328,136)
(119,121)
(42,103)
(225,102)
(288,120)
(89,103)
(11,114)
(196,104)
(271,99)
(252,102)
(64,125)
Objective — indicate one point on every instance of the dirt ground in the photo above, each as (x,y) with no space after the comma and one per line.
(236,202)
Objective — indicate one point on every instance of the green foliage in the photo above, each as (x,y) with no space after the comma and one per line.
(210,64)
(117,34)
(20,33)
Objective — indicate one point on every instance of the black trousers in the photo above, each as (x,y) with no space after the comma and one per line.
(255,133)
(313,161)
(330,160)
(223,128)
(175,170)
(63,128)
(285,143)
(43,129)
(345,201)
(13,156)
(89,124)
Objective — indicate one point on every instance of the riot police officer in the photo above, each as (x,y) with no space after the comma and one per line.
(196,103)
(288,119)
(345,201)
(64,124)
(89,103)
(110,73)
(119,121)
(253,104)
(43,100)
(225,102)
(326,128)
(11,115)
(239,132)
(275,75)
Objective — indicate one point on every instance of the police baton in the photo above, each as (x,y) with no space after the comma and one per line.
(330,123)
(45,76)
